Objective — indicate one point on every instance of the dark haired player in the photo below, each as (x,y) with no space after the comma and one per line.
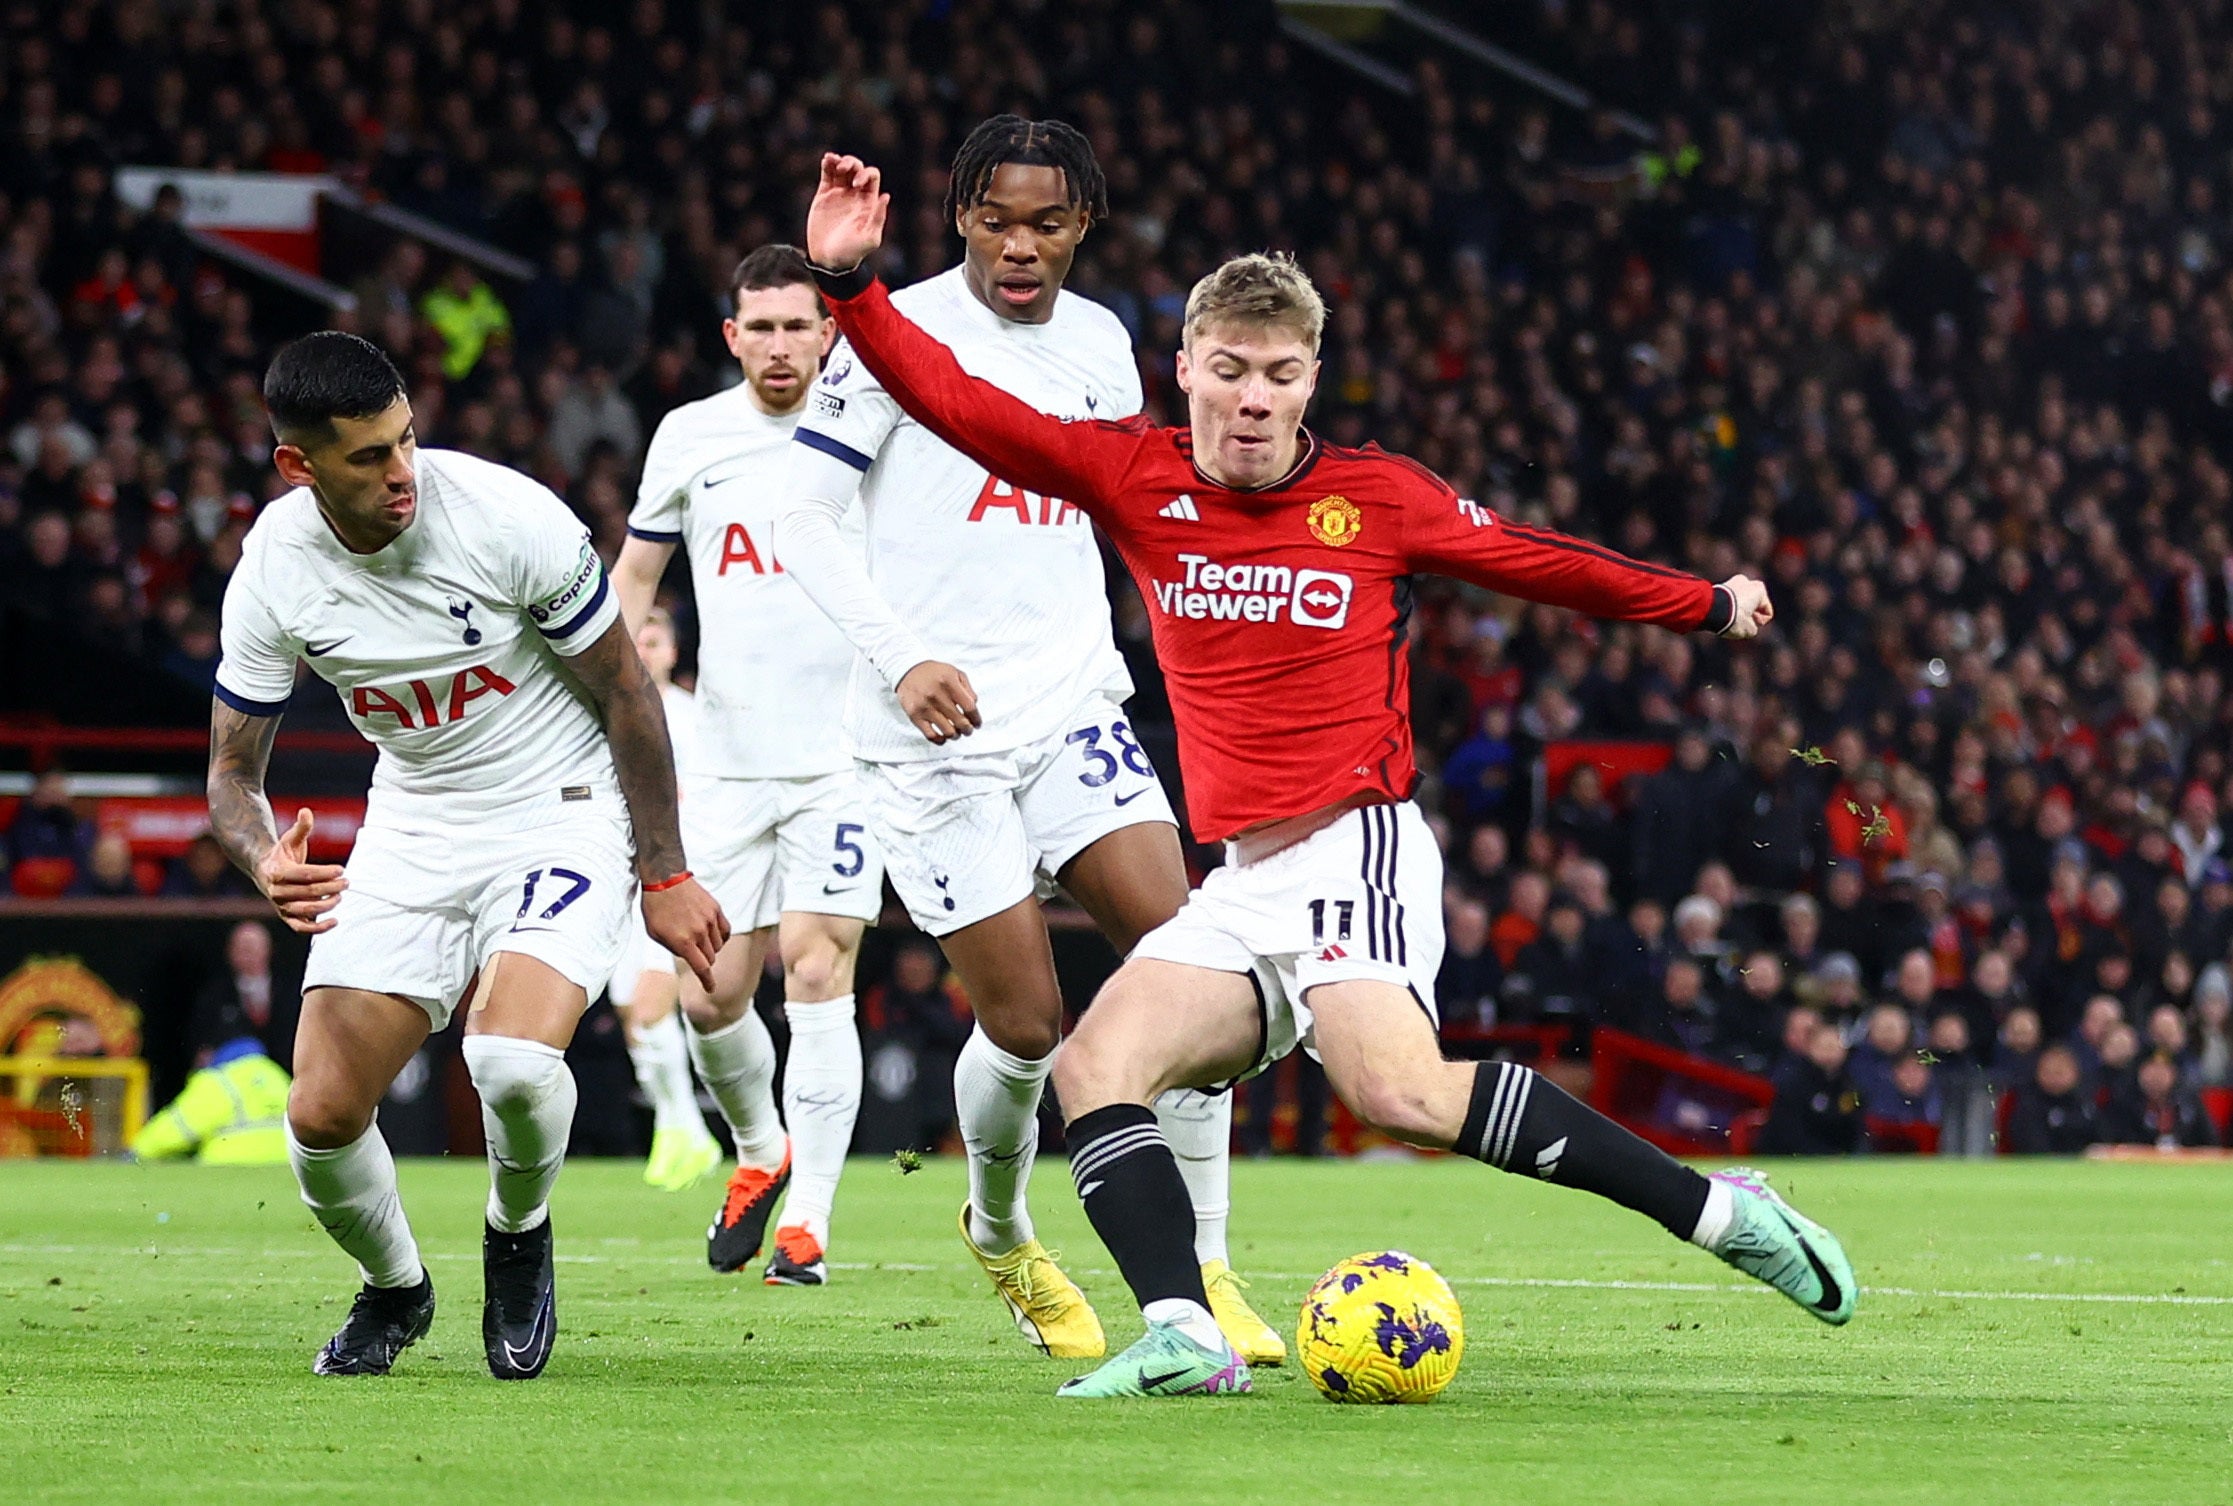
(1277,574)
(771,803)
(523,791)
(987,707)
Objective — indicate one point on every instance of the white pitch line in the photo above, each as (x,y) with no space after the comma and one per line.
(1700,1288)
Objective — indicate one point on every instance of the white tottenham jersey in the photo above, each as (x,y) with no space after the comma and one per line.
(1006,585)
(771,667)
(441,644)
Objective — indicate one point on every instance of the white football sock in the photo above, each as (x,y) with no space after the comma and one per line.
(1192,1318)
(527,1109)
(1717,1218)
(996,1100)
(821,1099)
(661,1058)
(1199,1129)
(737,1063)
(351,1190)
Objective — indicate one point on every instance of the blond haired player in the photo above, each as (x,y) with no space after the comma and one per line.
(1278,595)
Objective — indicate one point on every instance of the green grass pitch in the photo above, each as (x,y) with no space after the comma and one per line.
(157,1325)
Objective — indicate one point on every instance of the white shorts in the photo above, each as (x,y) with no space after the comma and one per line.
(1361,898)
(764,846)
(425,910)
(970,835)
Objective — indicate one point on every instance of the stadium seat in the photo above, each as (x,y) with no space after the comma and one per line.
(1893,1138)
(2218,1104)
(42,878)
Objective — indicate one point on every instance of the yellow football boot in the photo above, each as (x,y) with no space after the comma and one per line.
(1252,1338)
(681,1159)
(1048,1307)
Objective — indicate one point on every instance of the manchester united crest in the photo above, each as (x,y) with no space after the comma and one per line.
(1335,521)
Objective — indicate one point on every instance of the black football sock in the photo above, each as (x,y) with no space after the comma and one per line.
(1132,1190)
(1522,1122)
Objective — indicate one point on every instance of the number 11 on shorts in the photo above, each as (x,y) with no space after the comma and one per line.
(1344,911)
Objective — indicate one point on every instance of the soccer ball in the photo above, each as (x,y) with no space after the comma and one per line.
(1381,1328)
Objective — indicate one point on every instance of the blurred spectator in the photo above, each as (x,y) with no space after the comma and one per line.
(1912,1098)
(1468,984)
(107,873)
(1817,1109)
(1482,776)
(1677,818)
(1966,1100)
(1554,977)
(465,311)
(913,1024)
(2213,1027)
(1752,1013)
(2052,1114)
(238,1001)
(1834,988)
(204,872)
(2155,1108)
(47,824)
(2016,1049)
(1887,1040)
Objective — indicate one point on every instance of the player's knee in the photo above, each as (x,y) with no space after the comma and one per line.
(321,1119)
(816,972)
(1027,1036)
(512,1075)
(1400,1106)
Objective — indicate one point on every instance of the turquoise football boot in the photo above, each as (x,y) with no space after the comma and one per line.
(1774,1242)
(1164,1362)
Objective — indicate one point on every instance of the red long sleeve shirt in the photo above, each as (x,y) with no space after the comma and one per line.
(1278,614)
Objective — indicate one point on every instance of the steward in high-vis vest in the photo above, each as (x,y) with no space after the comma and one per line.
(232,1112)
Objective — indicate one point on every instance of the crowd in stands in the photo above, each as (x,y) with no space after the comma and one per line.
(1921,311)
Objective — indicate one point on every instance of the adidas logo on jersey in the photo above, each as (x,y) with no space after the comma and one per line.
(1182,507)
(1332,954)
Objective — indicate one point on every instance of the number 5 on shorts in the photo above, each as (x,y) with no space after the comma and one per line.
(850,865)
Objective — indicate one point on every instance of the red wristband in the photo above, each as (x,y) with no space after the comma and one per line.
(668,883)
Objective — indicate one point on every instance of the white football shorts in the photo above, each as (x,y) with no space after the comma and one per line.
(1360,898)
(764,846)
(426,909)
(968,836)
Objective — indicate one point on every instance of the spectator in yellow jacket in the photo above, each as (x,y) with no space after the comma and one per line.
(467,314)
(231,1113)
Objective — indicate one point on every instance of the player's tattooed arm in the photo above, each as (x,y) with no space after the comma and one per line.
(683,917)
(241,821)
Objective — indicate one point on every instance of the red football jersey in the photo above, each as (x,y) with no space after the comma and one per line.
(1278,614)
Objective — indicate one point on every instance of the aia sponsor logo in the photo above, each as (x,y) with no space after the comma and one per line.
(1213,592)
(738,549)
(416,705)
(996,498)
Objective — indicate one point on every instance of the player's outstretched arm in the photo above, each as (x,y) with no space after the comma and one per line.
(1465,540)
(1079,462)
(241,821)
(679,913)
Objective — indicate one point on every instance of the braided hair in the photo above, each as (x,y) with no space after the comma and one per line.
(1034,143)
